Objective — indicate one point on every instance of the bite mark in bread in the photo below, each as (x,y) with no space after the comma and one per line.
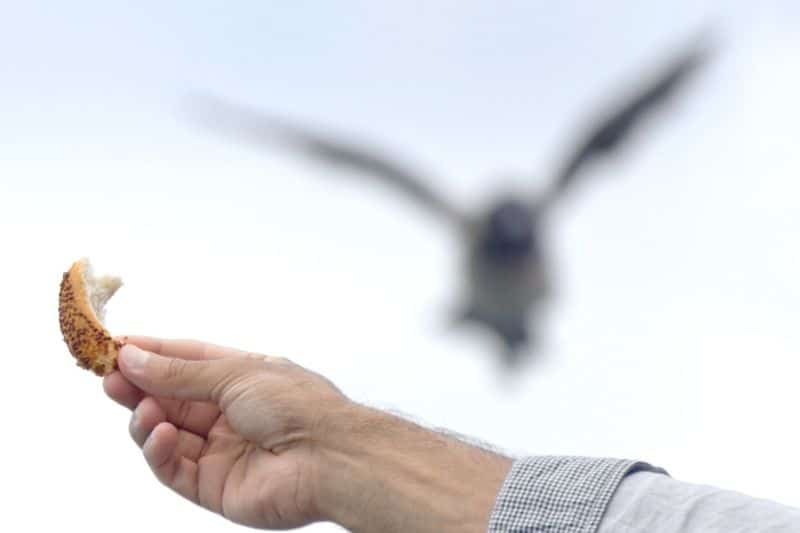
(81,310)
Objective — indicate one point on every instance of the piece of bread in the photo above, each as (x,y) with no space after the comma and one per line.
(81,310)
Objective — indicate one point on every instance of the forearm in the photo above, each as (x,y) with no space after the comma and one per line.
(378,472)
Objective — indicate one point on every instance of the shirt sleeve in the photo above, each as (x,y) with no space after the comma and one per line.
(556,494)
(651,503)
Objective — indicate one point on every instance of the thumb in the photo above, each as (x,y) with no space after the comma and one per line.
(170,377)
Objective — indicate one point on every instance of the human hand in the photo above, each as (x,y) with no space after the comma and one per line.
(235,432)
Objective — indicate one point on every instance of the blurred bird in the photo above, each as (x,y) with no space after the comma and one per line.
(505,268)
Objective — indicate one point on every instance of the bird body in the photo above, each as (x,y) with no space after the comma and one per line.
(505,272)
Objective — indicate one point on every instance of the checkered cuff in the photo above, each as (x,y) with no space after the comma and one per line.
(558,494)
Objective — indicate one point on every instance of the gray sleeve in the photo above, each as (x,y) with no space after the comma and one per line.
(652,503)
(558,494)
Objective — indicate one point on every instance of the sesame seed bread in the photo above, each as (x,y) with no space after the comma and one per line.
(81,310)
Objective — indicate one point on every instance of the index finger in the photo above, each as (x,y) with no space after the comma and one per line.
(182,348)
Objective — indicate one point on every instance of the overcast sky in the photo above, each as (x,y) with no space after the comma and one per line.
(674,334)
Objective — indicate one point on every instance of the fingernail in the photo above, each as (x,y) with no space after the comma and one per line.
(134,357)
(133,428)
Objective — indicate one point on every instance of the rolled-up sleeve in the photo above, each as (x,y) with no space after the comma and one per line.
(556,494)
(649,503)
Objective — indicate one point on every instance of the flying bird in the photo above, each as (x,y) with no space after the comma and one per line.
(505,265)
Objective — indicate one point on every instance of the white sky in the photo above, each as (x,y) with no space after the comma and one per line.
(674,335)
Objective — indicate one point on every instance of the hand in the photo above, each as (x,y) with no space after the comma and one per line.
(266,443)
(235,432)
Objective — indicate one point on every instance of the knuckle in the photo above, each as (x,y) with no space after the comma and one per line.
(175,369)
(275,362)
(237,380)
(226,380)
(268,359)
(184,410)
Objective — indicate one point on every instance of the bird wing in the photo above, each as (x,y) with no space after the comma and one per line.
(260,128)
(610,133)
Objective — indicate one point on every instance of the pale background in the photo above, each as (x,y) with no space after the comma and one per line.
(674,337)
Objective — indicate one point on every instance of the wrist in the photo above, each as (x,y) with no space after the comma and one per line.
(378,472)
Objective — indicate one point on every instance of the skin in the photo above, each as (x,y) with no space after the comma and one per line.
(269,444)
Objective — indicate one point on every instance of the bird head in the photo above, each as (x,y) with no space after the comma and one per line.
(509,231)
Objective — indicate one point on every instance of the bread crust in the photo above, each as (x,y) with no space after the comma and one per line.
(88,340)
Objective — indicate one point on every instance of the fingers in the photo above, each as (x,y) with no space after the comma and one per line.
(122,391)
(182,348)
(149,415)
(161,451)
(198,380)
(144,420)
(196,417)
